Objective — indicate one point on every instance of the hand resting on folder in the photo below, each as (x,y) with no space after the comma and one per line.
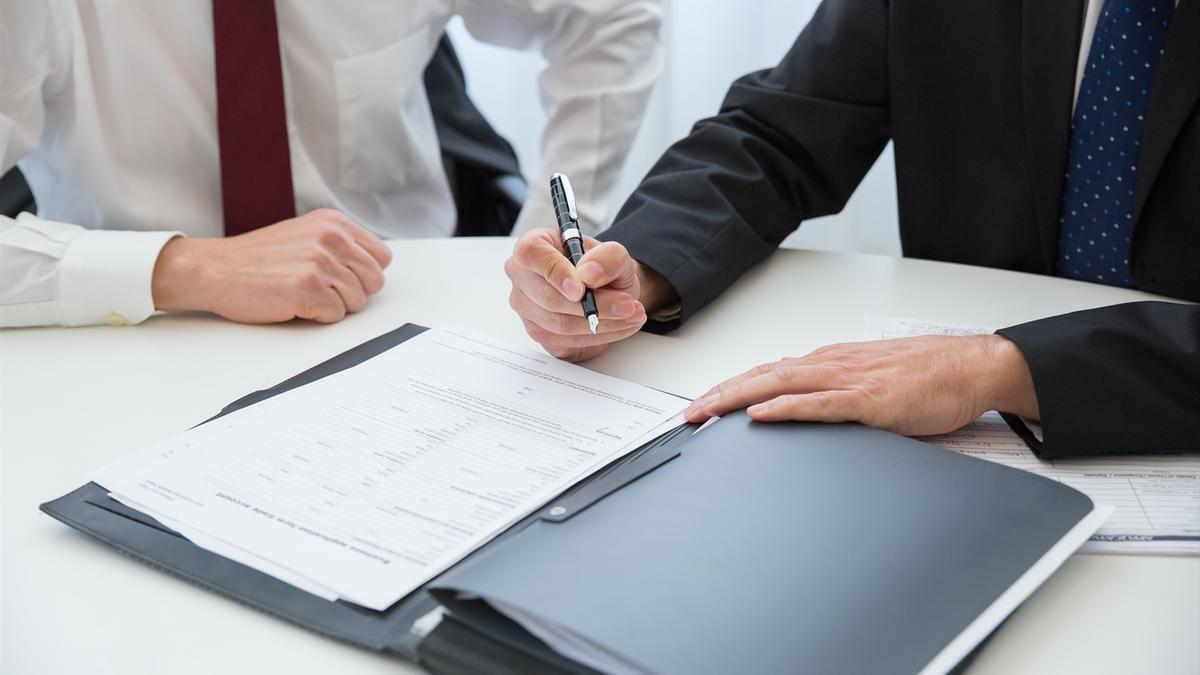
(917,386)
(914,386)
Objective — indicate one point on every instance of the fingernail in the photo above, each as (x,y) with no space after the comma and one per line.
(699,405)
(623,308)
(591,272)
(639,313)
(571,289)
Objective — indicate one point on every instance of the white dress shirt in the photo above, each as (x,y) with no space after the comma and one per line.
(109,110)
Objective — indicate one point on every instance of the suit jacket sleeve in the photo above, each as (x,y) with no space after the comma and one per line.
(1120,379)
(789,143)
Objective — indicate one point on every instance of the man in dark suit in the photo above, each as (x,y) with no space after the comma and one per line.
(1051,137)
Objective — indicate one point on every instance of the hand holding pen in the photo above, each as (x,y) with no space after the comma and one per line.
(548,290)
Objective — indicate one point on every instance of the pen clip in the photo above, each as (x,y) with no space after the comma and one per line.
(570,195)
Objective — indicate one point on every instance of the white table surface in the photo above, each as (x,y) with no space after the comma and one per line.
(73,399)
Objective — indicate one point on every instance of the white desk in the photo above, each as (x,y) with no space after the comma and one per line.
(73,399)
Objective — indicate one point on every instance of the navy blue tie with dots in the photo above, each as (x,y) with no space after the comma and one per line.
(1106,137)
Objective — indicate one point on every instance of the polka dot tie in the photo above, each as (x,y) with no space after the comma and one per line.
(1106,136)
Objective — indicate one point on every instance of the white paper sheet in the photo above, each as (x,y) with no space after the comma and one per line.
(234,553)
(1156,497)
(370,482)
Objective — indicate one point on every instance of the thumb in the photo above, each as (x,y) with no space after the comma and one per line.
(540,251)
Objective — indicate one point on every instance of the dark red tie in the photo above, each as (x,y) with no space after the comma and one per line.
(256,169)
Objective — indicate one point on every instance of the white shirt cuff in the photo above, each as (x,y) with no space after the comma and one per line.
(671,313)
(105,276)
(1035,428)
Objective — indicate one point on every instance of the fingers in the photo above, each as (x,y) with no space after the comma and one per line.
(607,264)
(761,384)
(823,406)
(573,324)
(610,303)
(563,346)
(323,305)
(341,265)
(349,289)
(817,356)
(328,291)
(366,267)
(756,371)
(371,244)
(538,252)
(354,270)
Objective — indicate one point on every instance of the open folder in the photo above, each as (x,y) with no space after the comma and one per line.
(762,548)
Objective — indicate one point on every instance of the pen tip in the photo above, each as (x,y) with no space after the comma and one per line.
(593,322)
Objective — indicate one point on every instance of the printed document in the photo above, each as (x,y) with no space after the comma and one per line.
(1156,497)
(366,484)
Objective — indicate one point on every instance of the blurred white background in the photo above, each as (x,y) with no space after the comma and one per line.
(708,43)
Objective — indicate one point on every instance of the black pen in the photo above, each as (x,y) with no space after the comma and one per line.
(568,223)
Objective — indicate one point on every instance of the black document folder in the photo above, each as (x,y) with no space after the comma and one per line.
(762,548)
(89,509)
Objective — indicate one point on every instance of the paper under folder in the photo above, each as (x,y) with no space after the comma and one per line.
(760,548)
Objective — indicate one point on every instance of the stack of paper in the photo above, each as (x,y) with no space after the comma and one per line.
(366,484)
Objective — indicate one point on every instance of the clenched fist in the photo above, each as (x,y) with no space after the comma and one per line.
(318,266)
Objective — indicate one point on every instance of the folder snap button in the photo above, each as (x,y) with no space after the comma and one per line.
(557,511)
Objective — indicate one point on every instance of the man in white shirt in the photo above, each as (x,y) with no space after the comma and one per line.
(302,128)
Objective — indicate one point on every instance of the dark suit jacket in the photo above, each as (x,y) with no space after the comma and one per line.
(977,95)
(481,166)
